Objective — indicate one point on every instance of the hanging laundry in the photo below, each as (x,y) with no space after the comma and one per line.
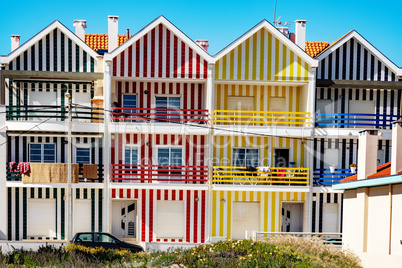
(23,167)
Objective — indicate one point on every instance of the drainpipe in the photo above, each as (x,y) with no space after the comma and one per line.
(69,175)
(210,106)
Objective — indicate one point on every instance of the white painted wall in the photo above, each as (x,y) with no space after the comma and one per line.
(396,227)
(350,222)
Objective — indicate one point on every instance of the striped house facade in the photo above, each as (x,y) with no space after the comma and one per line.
(160,54)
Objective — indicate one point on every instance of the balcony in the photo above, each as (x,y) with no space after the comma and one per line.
(261,118)
(324,177)
(53,113)
(356,120)
(159,174)
(281,176)
(57,168)
(159,115)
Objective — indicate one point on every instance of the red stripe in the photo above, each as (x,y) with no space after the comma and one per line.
(114,66)
(151,214)
(165,139)
(122,63)
(173,194)
(199,96)
(195,217)
(128,193)
(198,67)
(145,58)
(166,195)
(113,193)
(135,193)
(190,63)
(157,139)
(192,98)
(137,58)
(128,136)
(130,61)
(158,195)
(203,217)
(175,55)
(141,97)
(163,88)
(119,93)
(205,69)
(153,45)
(150,156)
(134,90)
(195,140)
(113,150)
(135,139)
(183,59)
(143,215)
(148,99)
(170,88)
(121,193)
(202,143)
(167,53)
(188,216)
(120,153)
(142,161)
(187,155)
(185,96)
(172,139)
(180,194)
(160,50)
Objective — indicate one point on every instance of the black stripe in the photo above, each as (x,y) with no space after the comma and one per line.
(25,57)
(62,52)
(379,145)
(33,58)
(17,213)
(320,208)
(322,141)
(70,55)
(17,149)
(364,97)
(100,213)
(9,214)
(329,143)
(351,59)
(365,65)
(92,150)
(379,71)
(48,52)
(371,94)
(62,149)
(343,153)
(385,73)
(24,213)
(384,109)
(341,212)
(77,58)
(93,210)
(387,146)
(323,69)
(335,198)
(337,64)
(372,68)
(315,154)
(24,150)
(328,198)
(344,61)
(55,50)
(313,217)
(40,56)
(398,111)
(350,151)
(329,66)
(18,61)
(358,60)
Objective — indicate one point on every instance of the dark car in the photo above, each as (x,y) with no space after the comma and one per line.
(105,240)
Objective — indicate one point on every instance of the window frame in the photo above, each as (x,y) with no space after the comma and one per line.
(245,148)
(86,146)
(42,151)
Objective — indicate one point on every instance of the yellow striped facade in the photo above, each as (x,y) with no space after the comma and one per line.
(223,146)
(262,57)
(270,209)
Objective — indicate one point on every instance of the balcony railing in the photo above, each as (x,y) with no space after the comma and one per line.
(261,118)
(121,114)
(356,120)
(16,175)
(274,176)
(159,174)
(54,113)
(324,177)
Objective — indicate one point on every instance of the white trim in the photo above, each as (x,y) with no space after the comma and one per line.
(368,45)
(148,28)
(277,34)
(56,24)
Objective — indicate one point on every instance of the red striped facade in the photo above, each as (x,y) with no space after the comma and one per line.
(160,54)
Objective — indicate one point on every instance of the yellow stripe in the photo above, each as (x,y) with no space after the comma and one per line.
(266,212)
(247,59)
(298,100)
(231,75)
(229,149)
(303,196)
(302,147)
(276,59)
(224,59)
(237,196)
(284,48)
(305,71)
(298,69)
(229,216)
(248,91)
(217,69)
(221,151)
(279,212)
(251,196)
(259,196)
(239,61)
(262,58)
(214,151)
(292,65)
(295,152)
(266,152)
(254,74)
(243,196)
(269,73)
(214,196)
(218,97)
(288,196)
(221,212)
(273,212)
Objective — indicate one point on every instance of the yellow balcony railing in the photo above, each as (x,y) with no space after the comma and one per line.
(261,118)
(270,176)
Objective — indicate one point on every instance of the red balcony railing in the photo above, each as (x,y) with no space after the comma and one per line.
(121,114)
(159,174)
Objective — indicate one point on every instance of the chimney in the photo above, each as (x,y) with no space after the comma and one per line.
(396,149)
(15,42)
(80,26)
(113,29)
(367,156)
(301,33)
(284,30)
(203,43)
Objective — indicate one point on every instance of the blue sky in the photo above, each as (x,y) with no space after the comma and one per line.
(220,22)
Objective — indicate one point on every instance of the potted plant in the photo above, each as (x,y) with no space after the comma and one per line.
(332,168)
(353,168)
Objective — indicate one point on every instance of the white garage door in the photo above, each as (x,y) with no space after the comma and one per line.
(330,218)
(42,217)
(246,219)
(82,216)
(170,219)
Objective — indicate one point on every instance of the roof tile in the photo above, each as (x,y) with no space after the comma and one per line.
(315,48)
(100,41)
(382,171)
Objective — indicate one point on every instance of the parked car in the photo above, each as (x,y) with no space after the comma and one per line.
(105,240)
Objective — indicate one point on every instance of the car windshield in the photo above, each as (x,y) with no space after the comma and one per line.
(104,238)
(85,237)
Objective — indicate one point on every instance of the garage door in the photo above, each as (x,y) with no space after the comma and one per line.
(246,219)
(82,216)
(330,218)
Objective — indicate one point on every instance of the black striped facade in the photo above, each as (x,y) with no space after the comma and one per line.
(319,199)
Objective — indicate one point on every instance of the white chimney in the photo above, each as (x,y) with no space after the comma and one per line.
(396,149)
(80,26)
(113,28)
(301,33)
(203,43)
(367,162)
(15,42)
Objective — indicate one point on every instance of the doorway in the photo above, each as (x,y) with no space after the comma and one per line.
(281,158)
(292,217)
(124,221)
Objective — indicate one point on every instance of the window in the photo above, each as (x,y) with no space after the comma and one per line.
(243,157)
(129,101)
(170,156)
(85,237)
(131,158)
(167,103)
(83,155)
(45,101)
(42,153)
(105,238)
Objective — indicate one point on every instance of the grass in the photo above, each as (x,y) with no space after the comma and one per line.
(283,251)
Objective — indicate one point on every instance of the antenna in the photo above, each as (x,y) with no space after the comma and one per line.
(277,22)
(275,13)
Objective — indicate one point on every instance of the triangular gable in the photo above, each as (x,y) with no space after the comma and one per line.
(160,50)
(264,54)
(340,52)
(55,48)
